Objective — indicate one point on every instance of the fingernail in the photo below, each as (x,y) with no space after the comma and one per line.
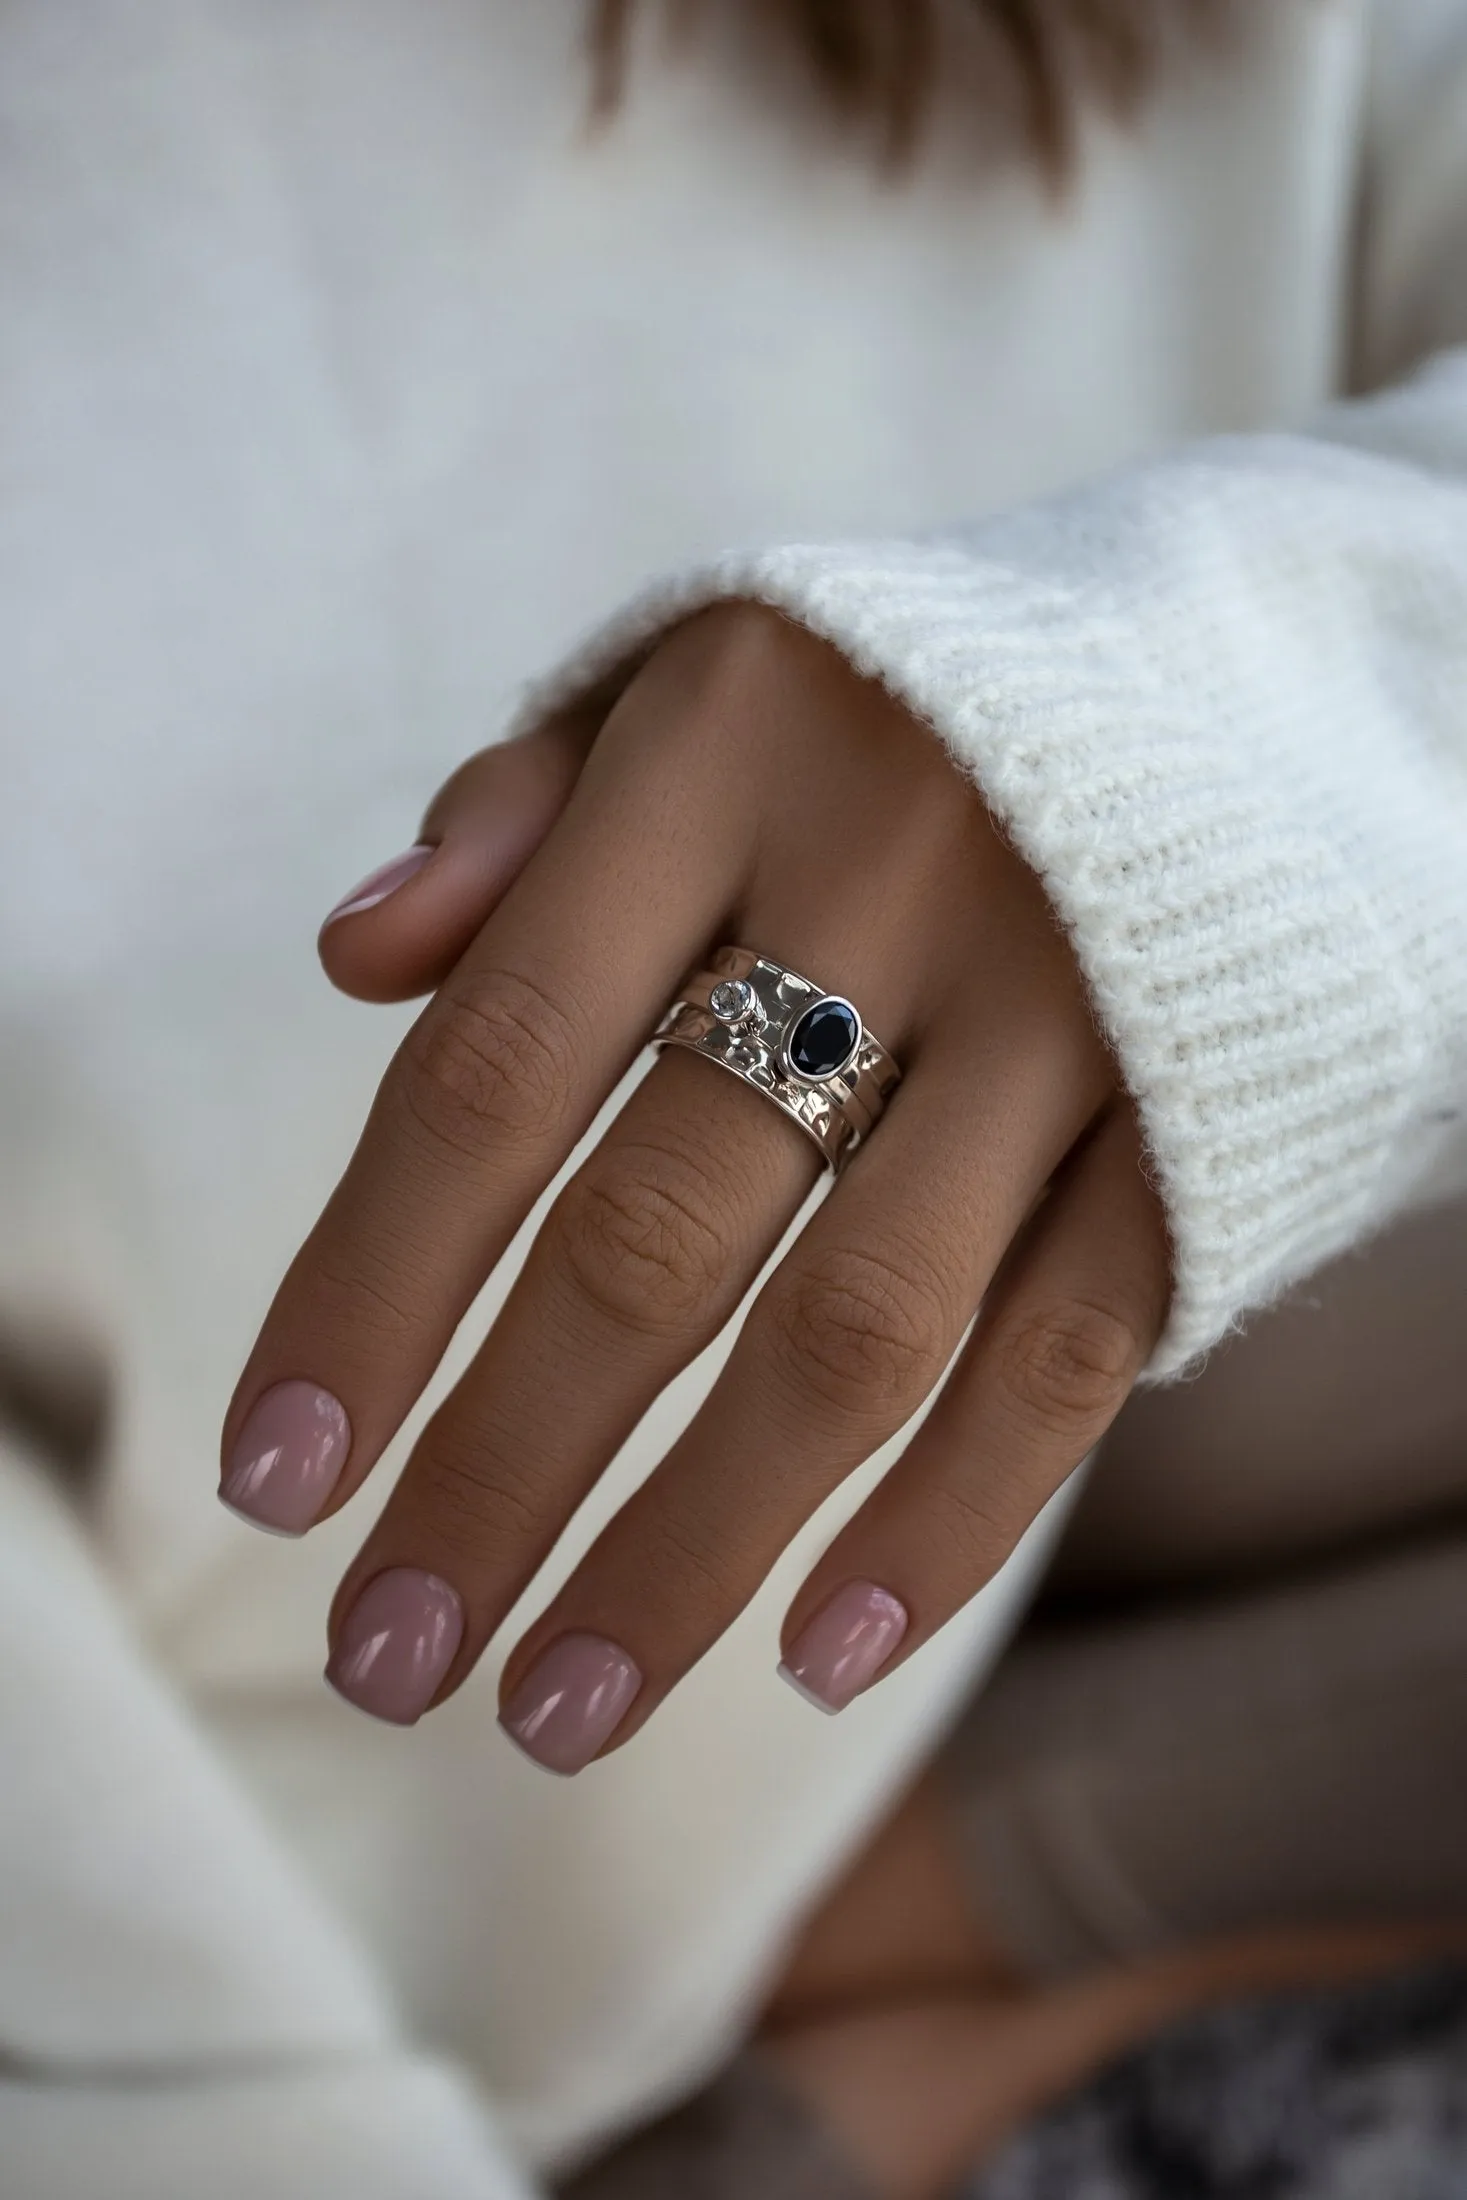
(845,1645)
(571,1701)
(287,1458)
(378,884)
(396,1643)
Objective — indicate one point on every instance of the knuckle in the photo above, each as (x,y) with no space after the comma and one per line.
(730,666)
(642,1239)
(1066,1366)
(492,1065)
(971,1531)
(755,644)
(476,1509)
(747,646)
(861,1332)
(691,1573)
(365,1297)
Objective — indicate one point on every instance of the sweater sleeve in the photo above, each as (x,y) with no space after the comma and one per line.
(1219,703)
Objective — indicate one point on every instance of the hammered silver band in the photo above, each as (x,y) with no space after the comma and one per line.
(806,1050)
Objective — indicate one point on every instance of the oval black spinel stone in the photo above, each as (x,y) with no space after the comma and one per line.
(823,1040)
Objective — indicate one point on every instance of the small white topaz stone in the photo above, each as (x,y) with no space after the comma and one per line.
(732,1000)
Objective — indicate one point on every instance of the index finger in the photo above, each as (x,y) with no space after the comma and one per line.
(483,1103)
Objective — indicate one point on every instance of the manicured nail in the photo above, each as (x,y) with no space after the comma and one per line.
(287,1458)
(845,1645)
(571,1701)
(378,884)
(396,1643)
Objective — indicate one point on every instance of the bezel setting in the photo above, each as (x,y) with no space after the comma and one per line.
(812,1009)
(734,1004)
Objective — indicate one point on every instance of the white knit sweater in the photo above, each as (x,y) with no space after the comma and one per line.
(1219,703)
(343,381)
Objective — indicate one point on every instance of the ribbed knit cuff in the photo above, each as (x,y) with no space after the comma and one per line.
(1276,1012)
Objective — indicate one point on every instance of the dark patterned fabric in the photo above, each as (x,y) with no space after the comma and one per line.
(1357,2093)
(742,2138)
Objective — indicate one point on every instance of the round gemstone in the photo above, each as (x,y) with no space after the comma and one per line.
(731,1000)
(824,1040)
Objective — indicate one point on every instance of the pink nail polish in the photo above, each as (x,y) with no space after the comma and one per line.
(571,1701)
(396,1643)
(845,1645)
(287,1458)
(385,880)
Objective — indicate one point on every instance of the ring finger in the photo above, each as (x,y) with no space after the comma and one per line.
(842,1346)
(642,1259)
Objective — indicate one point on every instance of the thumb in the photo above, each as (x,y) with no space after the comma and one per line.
(402,929)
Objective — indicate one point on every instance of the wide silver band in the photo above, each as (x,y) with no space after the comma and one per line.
(763,1021)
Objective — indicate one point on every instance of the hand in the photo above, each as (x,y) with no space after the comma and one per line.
(747,787)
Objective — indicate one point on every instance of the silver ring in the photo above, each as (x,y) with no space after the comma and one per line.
(805,1049)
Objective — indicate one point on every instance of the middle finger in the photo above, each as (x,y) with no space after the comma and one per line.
(844,1344)
(642,1259)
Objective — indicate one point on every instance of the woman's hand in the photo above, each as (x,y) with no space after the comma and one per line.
(747,787)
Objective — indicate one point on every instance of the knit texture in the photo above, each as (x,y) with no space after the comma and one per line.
(1219,703)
